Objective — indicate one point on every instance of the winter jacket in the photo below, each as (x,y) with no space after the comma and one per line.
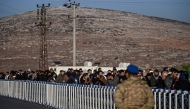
(133,94)
(60,78)
(113,82)
(182,83)
(155,82)
(41,78)
(71,80)
(96,81)
(90,78)
(161,84)
(122,77)
(103,79)
(168,81)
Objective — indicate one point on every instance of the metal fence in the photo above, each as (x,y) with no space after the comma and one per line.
(171,99)
(73,96)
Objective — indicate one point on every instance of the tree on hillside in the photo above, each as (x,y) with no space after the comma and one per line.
(187,68)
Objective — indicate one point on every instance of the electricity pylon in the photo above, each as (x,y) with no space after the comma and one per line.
(41,16)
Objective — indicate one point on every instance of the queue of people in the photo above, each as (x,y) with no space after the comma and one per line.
(168,78)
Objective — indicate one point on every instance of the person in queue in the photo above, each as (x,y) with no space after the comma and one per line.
(171,78)
(155,79)
(111,80)
(60,78)
(84,79)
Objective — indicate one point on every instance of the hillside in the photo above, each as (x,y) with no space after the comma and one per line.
(105,36)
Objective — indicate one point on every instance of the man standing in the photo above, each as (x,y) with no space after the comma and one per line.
(171,78)
(102,77)
(164,74)
(7,76)
(155,79)
(111,81)
(60,77)
(133,93)
(90,75)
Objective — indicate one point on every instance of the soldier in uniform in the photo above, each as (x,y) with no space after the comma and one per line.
(133,93)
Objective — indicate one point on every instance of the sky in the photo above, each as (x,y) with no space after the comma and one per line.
(170,9)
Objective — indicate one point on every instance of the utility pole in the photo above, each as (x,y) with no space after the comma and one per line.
(41,16)
(74,5)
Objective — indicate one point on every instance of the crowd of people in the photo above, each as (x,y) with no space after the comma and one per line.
(168,78)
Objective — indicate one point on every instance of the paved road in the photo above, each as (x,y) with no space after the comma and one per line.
(10,103)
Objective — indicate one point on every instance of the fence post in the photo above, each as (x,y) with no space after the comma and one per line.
(8,91)
(47,94)
(170,99)
(176,100)
(182,100)
(114,92)
(165,98)
(27,91)
(8,87)
(64,96)
(16,89)
(57,96)
(19,89)
(112,97)
(43,93)
(61,96)
(159,98)
(85,96)
(189,98)
(75,103)
(154,91)
(22,91)
(1,89)
(93,97)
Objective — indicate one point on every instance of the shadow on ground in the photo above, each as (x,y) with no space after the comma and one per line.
(10,103)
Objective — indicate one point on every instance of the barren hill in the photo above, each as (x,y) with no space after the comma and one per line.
(105,36)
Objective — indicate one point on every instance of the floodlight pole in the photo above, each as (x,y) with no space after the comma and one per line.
(74,35)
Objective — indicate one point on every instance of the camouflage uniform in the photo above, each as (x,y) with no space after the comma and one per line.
(133,94)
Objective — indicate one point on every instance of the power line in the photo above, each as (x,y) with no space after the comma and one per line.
(142,2)
(7,11)
(11,7)
(138,3)
(133,3)
(65,1)
(58,2)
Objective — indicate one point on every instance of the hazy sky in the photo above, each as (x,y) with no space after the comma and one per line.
(171,9)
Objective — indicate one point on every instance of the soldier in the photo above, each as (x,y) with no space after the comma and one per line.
(133,93)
